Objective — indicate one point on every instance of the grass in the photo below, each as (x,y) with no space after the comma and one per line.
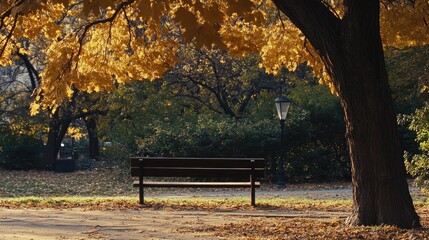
(284,204)
(182,203)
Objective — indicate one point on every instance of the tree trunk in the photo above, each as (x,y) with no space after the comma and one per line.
(380,189)
(352,51)
(57,131)
(50,150)
(94,148)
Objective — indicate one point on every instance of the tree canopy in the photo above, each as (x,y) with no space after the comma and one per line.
(94,45)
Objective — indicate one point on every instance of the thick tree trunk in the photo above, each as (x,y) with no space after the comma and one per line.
(94,148)
(381,194)
(352,51)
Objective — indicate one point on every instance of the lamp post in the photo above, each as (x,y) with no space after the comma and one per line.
(282,106)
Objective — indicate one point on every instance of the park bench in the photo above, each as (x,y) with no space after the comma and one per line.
(215,168)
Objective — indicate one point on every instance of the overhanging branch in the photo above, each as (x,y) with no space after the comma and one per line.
(110,19)
(314,19)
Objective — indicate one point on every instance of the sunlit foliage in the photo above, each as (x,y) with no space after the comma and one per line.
(95,45)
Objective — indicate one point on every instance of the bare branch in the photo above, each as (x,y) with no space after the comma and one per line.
(203,102)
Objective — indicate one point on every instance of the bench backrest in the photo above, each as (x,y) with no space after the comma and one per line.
(197,167)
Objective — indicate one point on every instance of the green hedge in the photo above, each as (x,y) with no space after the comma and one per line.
(307,157)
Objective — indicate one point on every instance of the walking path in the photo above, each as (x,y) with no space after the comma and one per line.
(47,224)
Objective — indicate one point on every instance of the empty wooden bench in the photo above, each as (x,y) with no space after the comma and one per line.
(218,168)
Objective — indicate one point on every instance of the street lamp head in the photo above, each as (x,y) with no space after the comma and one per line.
(282,106)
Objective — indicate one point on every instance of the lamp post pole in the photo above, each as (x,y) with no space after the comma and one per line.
(282,106)
(281,181)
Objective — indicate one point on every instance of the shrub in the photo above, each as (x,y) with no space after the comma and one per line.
(209,137)
(418,165)
(307,157)
(20,152)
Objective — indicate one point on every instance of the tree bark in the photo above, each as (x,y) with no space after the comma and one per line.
(57,130)
(94,148)
(50,149)
(352,52)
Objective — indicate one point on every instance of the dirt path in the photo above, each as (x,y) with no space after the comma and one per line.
(77,224)
(47,224)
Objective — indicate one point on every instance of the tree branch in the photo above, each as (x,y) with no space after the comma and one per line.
(8,12)
(205,103)
(100,21)
(9,35)
(314,19)
(32,72)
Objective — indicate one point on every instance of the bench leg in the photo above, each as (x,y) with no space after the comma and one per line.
(141,191)
(252,197)
(252,183)
(141,197)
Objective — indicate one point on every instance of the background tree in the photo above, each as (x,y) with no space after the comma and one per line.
(82,106)
(17,87)
(21,145)
(217,81)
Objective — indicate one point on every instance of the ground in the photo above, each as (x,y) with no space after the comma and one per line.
(37,205)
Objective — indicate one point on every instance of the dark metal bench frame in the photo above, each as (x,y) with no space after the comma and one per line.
(197,167)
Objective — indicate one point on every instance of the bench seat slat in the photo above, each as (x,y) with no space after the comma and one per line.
(196,172)
(197,184)
(197,162)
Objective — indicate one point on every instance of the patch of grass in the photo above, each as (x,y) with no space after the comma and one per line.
(242,203)
(187,202)
(182,203)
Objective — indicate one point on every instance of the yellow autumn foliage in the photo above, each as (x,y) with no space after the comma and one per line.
(75,132)
(405,25)
(95,45)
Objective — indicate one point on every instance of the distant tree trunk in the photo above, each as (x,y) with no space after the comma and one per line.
(94,148)
(352,51)
(50,149)
(57,130)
